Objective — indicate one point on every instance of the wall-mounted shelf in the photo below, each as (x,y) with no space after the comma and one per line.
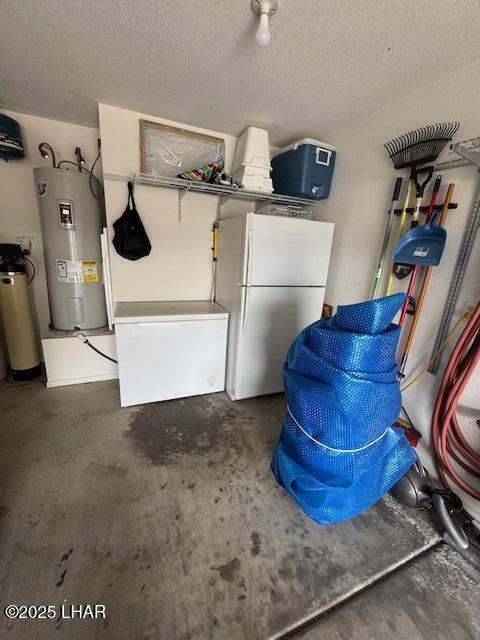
(215,189)
(224,193)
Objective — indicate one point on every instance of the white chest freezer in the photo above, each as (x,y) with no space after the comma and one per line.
(170,350)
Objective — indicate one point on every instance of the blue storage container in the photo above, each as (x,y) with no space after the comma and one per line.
(304,169)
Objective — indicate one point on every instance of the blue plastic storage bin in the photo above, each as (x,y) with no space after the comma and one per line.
(304,169)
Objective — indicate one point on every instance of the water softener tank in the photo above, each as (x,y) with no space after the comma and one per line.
(71,225)
(17,314)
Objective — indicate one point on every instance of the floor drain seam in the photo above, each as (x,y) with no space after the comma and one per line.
(345,599)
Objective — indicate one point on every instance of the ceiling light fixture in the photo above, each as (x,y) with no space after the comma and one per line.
(264,8)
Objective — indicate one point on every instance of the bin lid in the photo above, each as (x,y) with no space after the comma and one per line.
(158,311)
(299,143)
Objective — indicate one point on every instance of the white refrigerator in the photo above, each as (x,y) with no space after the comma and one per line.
(271,276)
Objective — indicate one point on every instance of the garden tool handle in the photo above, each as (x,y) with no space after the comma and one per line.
(448,199)
(386,239)
(420,186)
(426,277)
(436,188)
(396,191)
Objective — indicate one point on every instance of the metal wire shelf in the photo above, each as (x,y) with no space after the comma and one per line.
(223,193)
(219,190)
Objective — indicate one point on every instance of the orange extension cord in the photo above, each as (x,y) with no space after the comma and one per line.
(448,441)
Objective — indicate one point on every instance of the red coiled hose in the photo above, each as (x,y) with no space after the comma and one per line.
(448,441)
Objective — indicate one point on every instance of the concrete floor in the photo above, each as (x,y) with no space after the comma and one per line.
(168,515)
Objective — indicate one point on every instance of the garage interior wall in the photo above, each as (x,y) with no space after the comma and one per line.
(19,211)
(360,197)
(179,266)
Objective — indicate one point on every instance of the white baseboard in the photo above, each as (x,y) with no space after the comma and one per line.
(69,361)
(65,383)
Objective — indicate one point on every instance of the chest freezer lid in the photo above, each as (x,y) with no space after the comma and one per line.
(294,146)
(167,311)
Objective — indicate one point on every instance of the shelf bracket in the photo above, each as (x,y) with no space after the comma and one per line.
(224,198)
(259,203)
(181,194)
(219,209)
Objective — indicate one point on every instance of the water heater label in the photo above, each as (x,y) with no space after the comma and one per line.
(61,270)
(77,271)
(70,271)
(90,272)
(65,209)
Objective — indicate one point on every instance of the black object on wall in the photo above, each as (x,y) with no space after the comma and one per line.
(130,239)
(11,142)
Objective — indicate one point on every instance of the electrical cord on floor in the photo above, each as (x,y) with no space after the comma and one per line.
(85,340)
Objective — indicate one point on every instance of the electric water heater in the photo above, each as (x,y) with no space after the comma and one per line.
(71,225)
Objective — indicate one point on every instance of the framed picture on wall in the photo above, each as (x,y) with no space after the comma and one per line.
(168,151)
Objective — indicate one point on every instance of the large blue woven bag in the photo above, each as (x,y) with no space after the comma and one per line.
(338,452)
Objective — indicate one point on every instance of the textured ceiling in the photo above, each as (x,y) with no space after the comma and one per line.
(329,62)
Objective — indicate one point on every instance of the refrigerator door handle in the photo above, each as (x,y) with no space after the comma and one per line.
(245,308)
(249,256)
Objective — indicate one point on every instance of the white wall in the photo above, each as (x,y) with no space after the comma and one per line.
(360,196)
(179,266)
(18,204)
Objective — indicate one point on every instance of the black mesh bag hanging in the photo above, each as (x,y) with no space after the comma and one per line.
(130,239)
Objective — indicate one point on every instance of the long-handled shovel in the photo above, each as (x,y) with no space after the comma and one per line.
(413,275)
(423,290)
